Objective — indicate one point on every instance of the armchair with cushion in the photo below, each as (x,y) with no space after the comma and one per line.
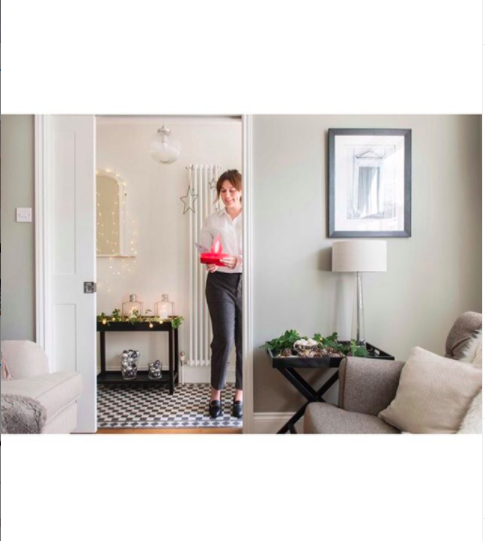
(58,392)
(368,386)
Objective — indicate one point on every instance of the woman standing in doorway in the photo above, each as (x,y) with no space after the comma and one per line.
(224,290)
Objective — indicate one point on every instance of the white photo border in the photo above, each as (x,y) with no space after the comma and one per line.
(334,182)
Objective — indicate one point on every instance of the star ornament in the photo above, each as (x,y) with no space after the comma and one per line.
(188,200)
(212,184)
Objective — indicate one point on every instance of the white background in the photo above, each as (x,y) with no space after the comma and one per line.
(153,57)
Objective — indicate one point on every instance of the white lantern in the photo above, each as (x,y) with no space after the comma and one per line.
(163,147)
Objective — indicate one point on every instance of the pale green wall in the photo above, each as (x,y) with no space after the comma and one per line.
(432,277)
(18,249)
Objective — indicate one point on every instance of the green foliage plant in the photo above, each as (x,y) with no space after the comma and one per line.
(136,317)
(288,338)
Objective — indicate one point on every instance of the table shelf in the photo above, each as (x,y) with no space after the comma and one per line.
(170,377)
(113,376)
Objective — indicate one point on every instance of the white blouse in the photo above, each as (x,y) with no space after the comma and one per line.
(230,232)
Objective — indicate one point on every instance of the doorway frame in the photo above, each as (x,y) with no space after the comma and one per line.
(43,243)
(43,237)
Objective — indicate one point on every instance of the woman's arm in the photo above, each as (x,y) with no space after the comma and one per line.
(206,240)
(232,261)
(205,237)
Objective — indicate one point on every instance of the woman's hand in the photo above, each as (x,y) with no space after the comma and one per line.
(211,268)
(231,261)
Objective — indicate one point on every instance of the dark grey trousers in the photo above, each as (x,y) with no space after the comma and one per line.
(224,298)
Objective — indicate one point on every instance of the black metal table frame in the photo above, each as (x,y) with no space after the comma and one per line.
(287,367)
(307,391)
(170,376)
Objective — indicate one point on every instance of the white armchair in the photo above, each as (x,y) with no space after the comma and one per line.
(58,392)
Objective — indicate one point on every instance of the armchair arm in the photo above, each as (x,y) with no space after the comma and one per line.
(368,385)
(25,359)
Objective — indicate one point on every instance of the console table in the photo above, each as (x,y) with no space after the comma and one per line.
(287,367)
(170,377)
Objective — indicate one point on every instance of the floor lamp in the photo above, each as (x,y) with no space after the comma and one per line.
(359,256)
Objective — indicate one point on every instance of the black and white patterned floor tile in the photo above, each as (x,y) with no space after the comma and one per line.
(151,406)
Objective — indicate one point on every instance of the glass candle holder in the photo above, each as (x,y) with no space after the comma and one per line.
(164,308)
(133,307)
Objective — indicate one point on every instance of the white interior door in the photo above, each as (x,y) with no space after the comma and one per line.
(72,258)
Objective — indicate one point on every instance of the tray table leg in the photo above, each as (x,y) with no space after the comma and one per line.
(326,386)
(296,380)
(290,425)
(177,368)
(102,343)
(308,392)
(171,361)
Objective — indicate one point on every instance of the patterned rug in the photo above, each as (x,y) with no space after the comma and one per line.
(151,406)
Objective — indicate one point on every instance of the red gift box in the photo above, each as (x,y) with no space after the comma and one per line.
(215,255)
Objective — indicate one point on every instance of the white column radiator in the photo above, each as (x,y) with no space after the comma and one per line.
(202,179)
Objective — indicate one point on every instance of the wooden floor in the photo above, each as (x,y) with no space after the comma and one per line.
(170,431)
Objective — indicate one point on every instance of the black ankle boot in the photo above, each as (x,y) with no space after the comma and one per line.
(215,409)
(237,409)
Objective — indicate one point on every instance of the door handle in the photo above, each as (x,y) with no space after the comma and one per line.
(89,287)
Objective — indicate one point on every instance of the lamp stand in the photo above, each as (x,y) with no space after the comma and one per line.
(360,312)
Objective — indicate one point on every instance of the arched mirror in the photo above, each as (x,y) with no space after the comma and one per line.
(110,215)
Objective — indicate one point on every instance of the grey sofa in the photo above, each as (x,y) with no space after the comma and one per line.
(367,386)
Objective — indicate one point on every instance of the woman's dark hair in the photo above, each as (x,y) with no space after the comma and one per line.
(233,176)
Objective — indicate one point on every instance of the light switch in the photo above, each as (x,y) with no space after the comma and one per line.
(24,215)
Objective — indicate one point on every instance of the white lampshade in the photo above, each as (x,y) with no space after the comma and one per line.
(359,256)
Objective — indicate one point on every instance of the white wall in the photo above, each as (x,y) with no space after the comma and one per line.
(157,225)
(432,277)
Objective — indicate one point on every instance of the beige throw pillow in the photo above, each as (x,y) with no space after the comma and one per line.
(434,394)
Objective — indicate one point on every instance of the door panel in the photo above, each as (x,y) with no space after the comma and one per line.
(73,251)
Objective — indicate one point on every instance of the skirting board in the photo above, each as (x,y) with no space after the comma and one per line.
(202,374)
(270,423)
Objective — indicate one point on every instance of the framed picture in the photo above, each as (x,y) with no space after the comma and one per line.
(369,189)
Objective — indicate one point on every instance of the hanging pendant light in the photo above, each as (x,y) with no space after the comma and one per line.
(163,147)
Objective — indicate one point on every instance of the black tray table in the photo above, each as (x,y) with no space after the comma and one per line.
(288,365)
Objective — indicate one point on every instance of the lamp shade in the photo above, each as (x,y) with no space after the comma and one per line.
(359,256)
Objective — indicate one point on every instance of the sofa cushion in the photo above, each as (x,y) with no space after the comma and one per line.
(473,351)
(25,359)
(63,423)
(464,328)
(367,385)
(322,418)
(472,423)
(434,394)
(54,391)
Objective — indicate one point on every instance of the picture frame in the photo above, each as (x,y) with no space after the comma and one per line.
(369,183)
